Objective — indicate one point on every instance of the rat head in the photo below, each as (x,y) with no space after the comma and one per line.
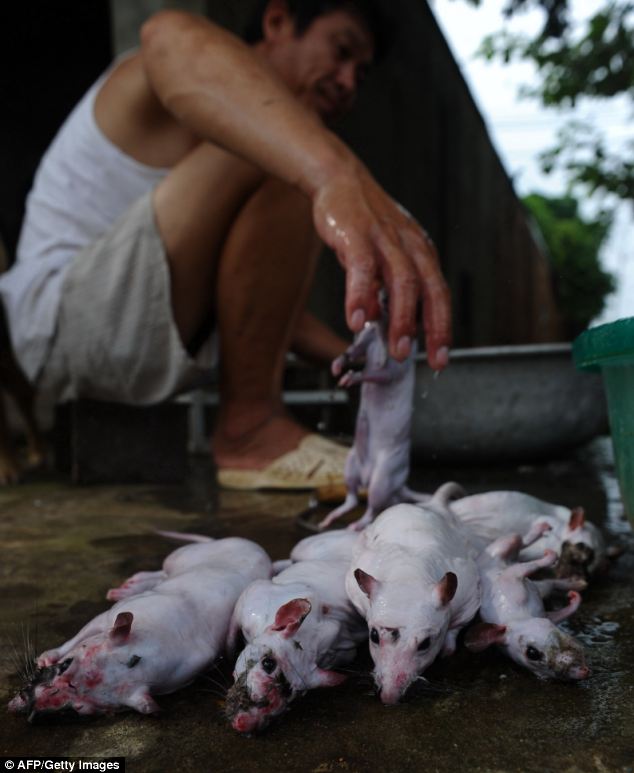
(536,644)
(407,630)
(260,690)
(582,547)
(102,674)
(274,668)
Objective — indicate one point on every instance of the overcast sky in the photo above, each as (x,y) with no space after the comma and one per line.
(521,128)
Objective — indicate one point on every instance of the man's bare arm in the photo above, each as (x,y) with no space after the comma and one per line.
(219,88)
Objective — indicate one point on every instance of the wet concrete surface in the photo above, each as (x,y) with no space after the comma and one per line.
(63,546)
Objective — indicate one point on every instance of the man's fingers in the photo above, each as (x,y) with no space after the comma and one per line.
(409,271)
(436,299)
(437,326)
(437,320)
(347,233)
(377,242)
(361,298)
(403,286)
(403,295)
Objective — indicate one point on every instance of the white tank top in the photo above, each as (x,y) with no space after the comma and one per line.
(83,184)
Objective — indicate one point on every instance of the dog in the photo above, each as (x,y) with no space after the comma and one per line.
(14,384)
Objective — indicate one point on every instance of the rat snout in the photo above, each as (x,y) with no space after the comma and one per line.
(579,672)
(392,690)
(570,664)
(19,703)
(246,722)
(250,707)
(389,697)
(259,714)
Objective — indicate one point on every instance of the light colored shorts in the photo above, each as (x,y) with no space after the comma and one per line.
(116,339)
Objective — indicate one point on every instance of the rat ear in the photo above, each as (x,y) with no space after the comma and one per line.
(577,518)
(483,635)
(290,616)
(366,582)
(446,589)
(121,628)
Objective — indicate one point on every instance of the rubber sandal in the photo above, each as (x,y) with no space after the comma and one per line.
(316,462)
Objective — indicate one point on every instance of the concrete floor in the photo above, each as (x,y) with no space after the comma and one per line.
(63,546)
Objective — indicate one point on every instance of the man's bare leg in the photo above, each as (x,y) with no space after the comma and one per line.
(264,275)
(251,245)
(195,206)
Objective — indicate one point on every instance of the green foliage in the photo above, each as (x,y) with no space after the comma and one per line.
(573,244)
(596,62)
(582,152)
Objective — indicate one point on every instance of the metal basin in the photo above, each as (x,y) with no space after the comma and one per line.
(505,403)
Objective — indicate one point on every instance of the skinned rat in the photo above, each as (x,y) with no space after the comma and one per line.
(154,640)
(513,614)
(577,542)
(298,627)
(414,578)
(379,458)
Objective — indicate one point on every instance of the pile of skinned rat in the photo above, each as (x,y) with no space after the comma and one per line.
(403,581)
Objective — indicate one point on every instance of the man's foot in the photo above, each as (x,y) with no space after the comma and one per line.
(257,447)
(278,454)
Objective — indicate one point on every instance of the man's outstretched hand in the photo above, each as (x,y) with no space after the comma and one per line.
(379,243)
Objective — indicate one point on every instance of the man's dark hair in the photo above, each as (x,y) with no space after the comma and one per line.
(304,12)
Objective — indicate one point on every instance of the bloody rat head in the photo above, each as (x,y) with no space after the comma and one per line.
(100,675)
(260,692)
(536,644)
(274,668)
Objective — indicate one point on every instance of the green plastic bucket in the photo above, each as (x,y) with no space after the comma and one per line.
(610,350)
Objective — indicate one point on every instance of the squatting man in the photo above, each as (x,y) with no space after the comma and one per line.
(187,195)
